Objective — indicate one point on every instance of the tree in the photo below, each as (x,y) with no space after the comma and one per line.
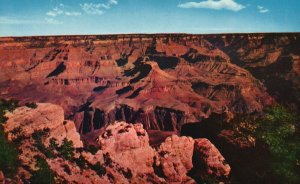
(53,143)
(44,174)
(9,161)
(6,105)
(279,130)
(31,105)
(99,169)
(66,149)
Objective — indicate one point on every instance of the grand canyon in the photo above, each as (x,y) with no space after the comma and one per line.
(149,108)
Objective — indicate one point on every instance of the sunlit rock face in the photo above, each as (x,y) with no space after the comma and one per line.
(128,145)
(124,154)
(45,116)
(162,81)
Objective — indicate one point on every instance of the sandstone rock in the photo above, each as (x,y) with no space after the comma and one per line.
(128,146)
(207,154)
(29,120)
(71,173)
(175,158)
(170,79)
(125,153)
(45,117)
(93,159)
(67,130)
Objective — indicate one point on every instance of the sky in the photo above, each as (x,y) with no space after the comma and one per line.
(78,17)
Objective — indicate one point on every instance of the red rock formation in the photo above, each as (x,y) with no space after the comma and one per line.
(206,153)
(45,116)
(125,155)
(162,81)
(128,146)
(175,158)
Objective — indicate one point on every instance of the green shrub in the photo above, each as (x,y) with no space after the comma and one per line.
(44,174)
(278,129)
(98,168)
(67,169)
(127,173)
(53,143)
(38,136)
(9,161)
(81,162)
(92,149)
(6,105)
(66,149)
(31,105)
(107,160)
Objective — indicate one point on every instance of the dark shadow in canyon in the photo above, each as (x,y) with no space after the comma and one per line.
(58,70)
(99,88)
(135,93)
(246,163)
(140,68)
(124,90)
(278,85)
(165,62)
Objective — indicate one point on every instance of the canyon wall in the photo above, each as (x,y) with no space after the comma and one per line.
(162,81)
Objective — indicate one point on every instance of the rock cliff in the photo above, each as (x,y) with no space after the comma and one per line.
(162,81)
(124,154)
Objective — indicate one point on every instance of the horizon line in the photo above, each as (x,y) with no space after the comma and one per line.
(141,33)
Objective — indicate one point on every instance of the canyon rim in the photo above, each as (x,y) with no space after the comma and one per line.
(86,103)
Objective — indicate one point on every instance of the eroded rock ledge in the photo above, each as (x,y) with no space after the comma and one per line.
(125,155)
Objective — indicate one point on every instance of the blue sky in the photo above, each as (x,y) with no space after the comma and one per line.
(56,17)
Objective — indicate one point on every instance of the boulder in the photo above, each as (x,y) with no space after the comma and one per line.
(209,156)
(175,158)
(128,146)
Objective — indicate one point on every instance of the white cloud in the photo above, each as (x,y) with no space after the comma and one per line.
(262,9)
(60,11)
(52,21)
(55,12)
(93,9)
(115,2)
(97,8)
(72,13)
(214,4)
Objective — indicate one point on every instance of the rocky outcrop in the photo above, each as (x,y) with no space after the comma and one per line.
(161,81)
(99,81)
(208,155)
(128,146)
(48,117)
(166,119)
(71,173)
(124,154)
(175,158)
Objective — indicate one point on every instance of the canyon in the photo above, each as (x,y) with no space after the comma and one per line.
(166,87)
(175,79)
